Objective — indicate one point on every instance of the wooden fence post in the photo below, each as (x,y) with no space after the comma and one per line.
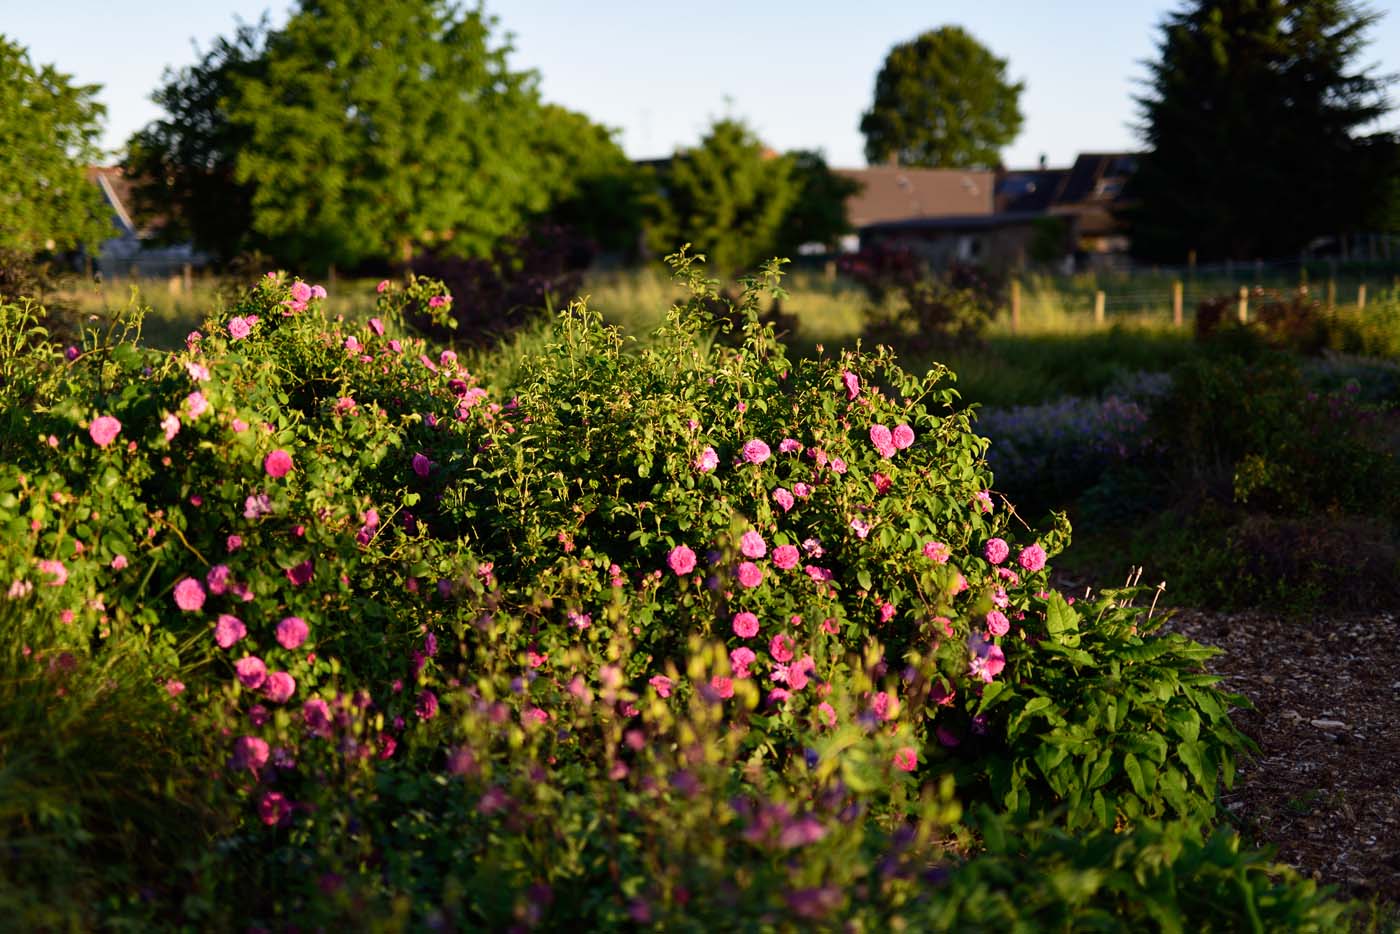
(1015,305)
(1361,297)
(1331,294)
(1244,304)
(1099,299)
(188,276)
(1177,313)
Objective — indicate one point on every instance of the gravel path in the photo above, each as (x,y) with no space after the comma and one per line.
(1324,790)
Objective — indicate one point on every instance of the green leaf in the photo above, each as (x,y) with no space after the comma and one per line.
(1133,770)
(1061,621)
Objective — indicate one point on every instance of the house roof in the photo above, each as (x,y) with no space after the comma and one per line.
(1029,189)
(1097,177)
(894,193)
(116,188)
(957,223)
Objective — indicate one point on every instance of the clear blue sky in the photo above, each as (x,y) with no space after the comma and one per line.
(800,73)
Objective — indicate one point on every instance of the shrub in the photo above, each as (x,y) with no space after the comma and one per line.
(518,285)
(915,310)
(674,636)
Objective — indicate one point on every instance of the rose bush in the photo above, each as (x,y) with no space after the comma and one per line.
(669,636)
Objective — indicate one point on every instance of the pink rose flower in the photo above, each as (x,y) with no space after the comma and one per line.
(198,371)
(251,671)
(724,687)
(662,684)
(996,550)
(301,292)
(740,659)
(189,594)
(755,451)
(382,286)
(786,557)
(937,552)
(216,581)
(801,490)
(906,759)
(997,623)
(171,425)
(197,404)
(249,752)
(883,441)
(752,545)
(852,382)
(104,430)
(277,464)
(421,465)
(780,647)
(682,560)
(376,326)
(750,574)
(228,630)
(292,632)
(119,562)
(1032,558)
(783,498)
(239,328)
(790,446)
(745,625)
(903,436)
(279,687)
(57,569)
(708,460)
(274,808)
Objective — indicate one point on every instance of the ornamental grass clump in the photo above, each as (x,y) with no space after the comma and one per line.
(686,636)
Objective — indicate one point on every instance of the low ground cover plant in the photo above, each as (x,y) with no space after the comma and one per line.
(692,636)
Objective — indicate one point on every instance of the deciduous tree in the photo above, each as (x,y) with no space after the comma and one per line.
(942,101)
(48,138)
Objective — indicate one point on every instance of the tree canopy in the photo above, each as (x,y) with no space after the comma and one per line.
(184,165)
(1252,118)
(367,132)
(49,126)
(728,197)
(818,211)
(942,101)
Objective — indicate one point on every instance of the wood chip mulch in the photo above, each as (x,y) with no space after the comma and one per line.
(1324,791)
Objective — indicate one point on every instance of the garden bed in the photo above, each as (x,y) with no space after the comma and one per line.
(1326,694)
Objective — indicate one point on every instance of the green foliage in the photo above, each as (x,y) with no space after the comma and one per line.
(594,189)
(729,197)
(369,132)
(378,128)
(1152,878)
(50,127)
(1251,119)
(489,669)
(818,212)
(942,100)
(183,165)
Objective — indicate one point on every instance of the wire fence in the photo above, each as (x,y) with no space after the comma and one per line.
(1175,293)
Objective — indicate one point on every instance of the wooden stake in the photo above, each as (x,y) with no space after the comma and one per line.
(1361,297)
(1015,305)
(1244,305)
(1099,299)
(1178,317)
